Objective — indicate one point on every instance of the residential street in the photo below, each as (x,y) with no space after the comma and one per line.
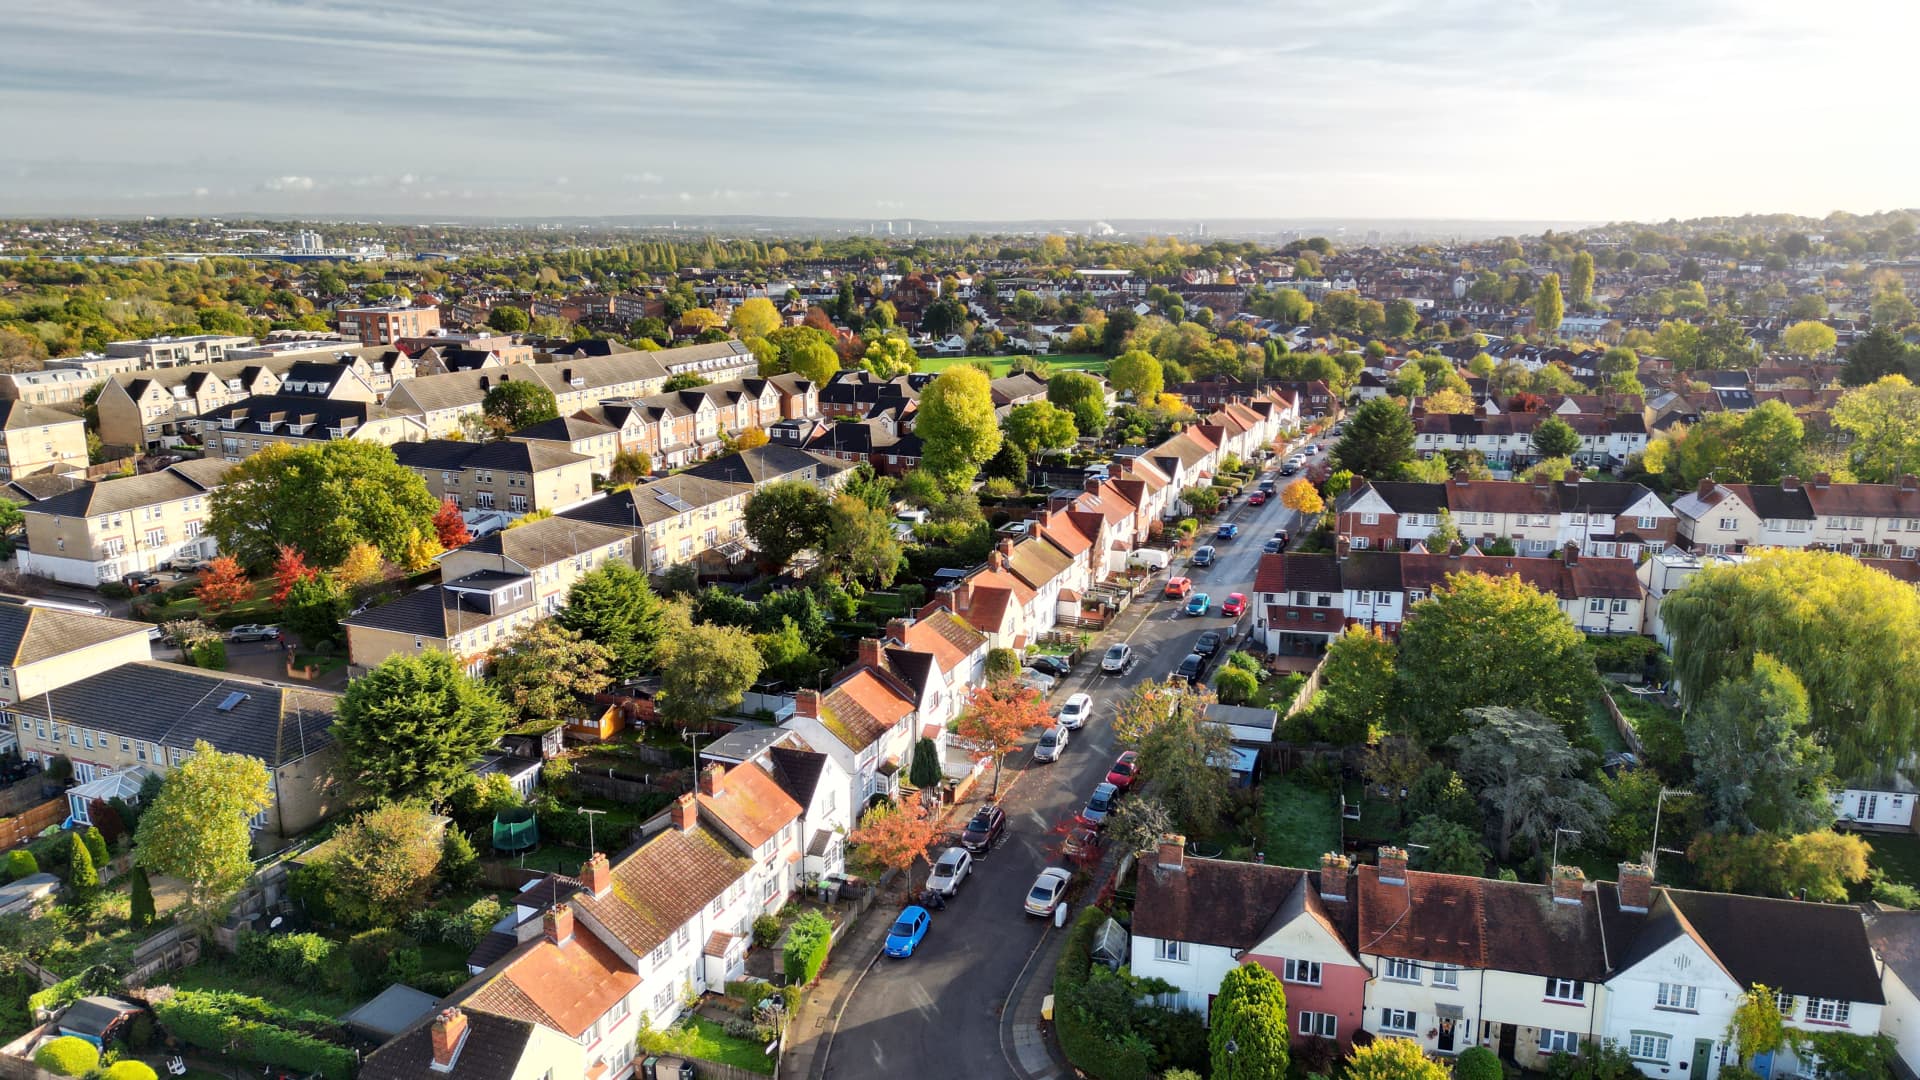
(938,1015)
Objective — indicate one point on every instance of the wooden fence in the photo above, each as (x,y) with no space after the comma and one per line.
(1307,689)
(171,949)
(22,827)
(1621,725)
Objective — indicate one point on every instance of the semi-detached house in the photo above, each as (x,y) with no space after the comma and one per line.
(1864,520)
(1605,519)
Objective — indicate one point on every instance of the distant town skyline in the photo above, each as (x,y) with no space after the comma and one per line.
(1555,111)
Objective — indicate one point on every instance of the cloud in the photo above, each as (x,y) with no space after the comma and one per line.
(288,183)
(643,178)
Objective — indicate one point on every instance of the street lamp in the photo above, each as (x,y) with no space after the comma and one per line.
(1653,857)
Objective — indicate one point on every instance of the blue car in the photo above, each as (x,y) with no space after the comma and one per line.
(1200,604)
(1226,532)
(907,931)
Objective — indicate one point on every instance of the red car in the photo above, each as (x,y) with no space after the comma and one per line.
(1123,771)
(1236,604)
(1179,587)
(1258,498)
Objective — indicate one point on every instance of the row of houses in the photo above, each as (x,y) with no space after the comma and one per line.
(1867,520)
(1605,519)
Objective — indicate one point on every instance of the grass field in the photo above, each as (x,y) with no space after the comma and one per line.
(1002,364)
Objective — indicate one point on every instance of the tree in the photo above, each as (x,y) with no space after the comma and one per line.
(1039,425)
(1809,338)
(82,877)
(198,828)
(1234,686)
(1378,440)
(519,403)
(223,584)
(1448,847)
(1848,632)
(630,466)
(314,610)
(1183,757)
(1248,1035)
(893,837)
(1082,395)
(1554,437)
(1520,646)
(1757,1027)
(320,500)
(755,317)
(1880,353)
(1205,501)
(1445,533)
(360,567)
(785,518)
(1618,361)
(547,670)
(1884,420)
(685,380)
(289,570)
(1522,767)
(957,426)
(890,357)
(383,864)
(1821,865)
(508,320)
(1002,665)
(1548,307)
(1392,1059)
(1449,401)
(858,543)
(1361,692)
(450,526)
(925,773)
(614,607)
(700,319)
(414,725)
(1137,372)
(704,669)
(140,899)
(1755,767)
(1303,498)
(1581,280)
(997,716)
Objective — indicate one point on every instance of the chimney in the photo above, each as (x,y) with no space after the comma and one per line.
(1791,482)
(996,561)
(1393,866)
(897,629)
(1172,852)
(1609,411)
(1568,881)
(1341,549)
(1706,487)
(1571,553)
(1005,546)
(1907,482)
(963,595)
(1636,886)
(1574,476)
(597,874)
(806,703)
(1456,549)
(1091,485)
(1460,479)
(711,777)
(686,813)
(557,924)
(1334,868)
(871,653)
(1821,480)
(449,1035)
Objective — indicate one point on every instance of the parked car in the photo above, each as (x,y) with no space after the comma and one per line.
(1125,768)
(141,583)
(1201,604)
(1259,498)
(1192,668)
(1202,556)
(1100,805)
(1047,890)
(1038,680)
(1235,606)
(1054,664)
(1178,588)
(1075,711)
(950,870)
(908,930)
(187,564)
(1208,644)
(253,632)
(1271,547)
(1053,743)
(1267,487)
(1081,841)
(1289,469)
(983,829)
(1226,532)
(1283,536)
(1118,659)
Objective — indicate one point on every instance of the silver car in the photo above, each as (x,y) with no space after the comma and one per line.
(950,870)
(1053,742)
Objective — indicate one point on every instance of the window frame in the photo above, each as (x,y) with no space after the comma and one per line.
(1297,971)
(1576,991)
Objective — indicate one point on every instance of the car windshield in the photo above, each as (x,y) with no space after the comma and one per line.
(1115,652)
(1049,737)
(1124,768)
(903,928)
(948,863)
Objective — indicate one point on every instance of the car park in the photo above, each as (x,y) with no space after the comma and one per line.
(983,828)
(1192,668)
(1208,644)
(908,931)
(1226,532)
(949,870)
(1099,805)
(1075,711)
(1118,659)
(1235,606)
(1125,768)
(253,632)
(1054,664)
(1200,604)
(1259,498)
(1202,556)
(1178,588)
(1053,743)
(1048,890)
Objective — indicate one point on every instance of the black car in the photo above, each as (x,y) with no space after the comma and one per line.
(1268,486)
(984,828)
(1208,644)
(1289,469)
(1192,669)
(1053,664)
(1282,535)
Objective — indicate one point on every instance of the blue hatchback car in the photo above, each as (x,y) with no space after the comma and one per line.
(907,930)
(1200,604)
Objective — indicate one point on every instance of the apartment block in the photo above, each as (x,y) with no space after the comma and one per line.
(36,439)
(516,477)
(386,325)
(104,529)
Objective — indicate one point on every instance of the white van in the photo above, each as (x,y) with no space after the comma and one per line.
(1152,558)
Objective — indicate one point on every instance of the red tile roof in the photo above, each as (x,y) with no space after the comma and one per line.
(662,884)
(751,805)
(566,986)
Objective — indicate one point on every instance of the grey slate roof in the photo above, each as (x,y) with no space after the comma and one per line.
(501,455)
(492,1051)
(31,634)
(15,414)
(765,464)
(181,481)
(548,541)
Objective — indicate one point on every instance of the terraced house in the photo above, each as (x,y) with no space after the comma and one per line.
(513,476)
(36,439)
(1864,520)
(103,529)
(678,519)
(1608,520)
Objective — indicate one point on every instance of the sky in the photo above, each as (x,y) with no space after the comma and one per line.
(1590,110)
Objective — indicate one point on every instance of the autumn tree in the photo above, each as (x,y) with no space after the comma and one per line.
(222,585)
(958,429)
(548,670)
(451,526)
(198,828)
(383,864)
(1302,497)
(1138,372)
(320,500)
(755,317)
(1809,338)
(890,357)
(893,837)
(997,717)
(1821,864)
(1448,401)
(360,567)
(289,569)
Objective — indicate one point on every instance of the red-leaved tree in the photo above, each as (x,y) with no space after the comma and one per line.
(222,585)
(290,569)
(892,836)
(450,526)
(997,717)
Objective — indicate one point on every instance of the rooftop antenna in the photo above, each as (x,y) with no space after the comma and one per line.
(590,815)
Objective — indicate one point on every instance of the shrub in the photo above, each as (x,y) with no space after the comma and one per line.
(67,1056)
(459,866)
(766,931)
(209,653)
(301,959)
(96,847)
(140,909)
(808,943)
(129,1070)
(295,1039)
(1897,894)
(1477,1063)
(368,954)
(404,965)
(21,863)
(1245,662)
(1235,687)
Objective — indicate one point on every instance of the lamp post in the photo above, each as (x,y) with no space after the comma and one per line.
(1653,857)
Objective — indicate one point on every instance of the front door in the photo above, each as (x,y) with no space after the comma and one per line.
(1702,1058)
(1509,1036)
(1763,1065)
(1445,1043)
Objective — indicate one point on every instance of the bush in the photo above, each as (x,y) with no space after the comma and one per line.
(300,959)
(1235,687)
(129,1070)
(368,954)
(1897,894)
(67,1056)
(459,866)
(808,942)
(1477,1063)
(295,1039)
(766,931)
(21,863)
(209,653)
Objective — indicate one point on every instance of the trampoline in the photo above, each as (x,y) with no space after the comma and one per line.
(515,831)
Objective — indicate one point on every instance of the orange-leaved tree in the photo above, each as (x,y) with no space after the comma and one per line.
(997,717)
(222,585)
(290,569)
(891,836)
(450,526)
(1303,497)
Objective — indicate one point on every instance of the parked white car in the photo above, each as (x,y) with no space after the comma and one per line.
(950,870)
(1075,711)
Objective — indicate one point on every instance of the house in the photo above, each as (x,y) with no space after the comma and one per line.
(679,519)
(103,529)
(939,656)
(1895,936)
(867,722)
(590,439)
(147,409)
(314,403)
(511,475)
(1863,520)
(43,648)
(54,386)
(1014,596)
(813,780)
(772,464)
(1606,519)
(36,439)
(1506,439)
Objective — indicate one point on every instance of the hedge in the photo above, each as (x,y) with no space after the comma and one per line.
(301,959)
(213,1020)
(129,1069)
(67,1056)
(1088,1048)
(808,942)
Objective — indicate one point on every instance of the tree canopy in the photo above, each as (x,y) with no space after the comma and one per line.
(1522,767)
(1884,420)
(1755,766)
(1138,372)
(614,607)
(199,827)
(957,426)
(414,725)
(1081,395)
(785,518)
(1377,442)
(320,500)
(1248,1038)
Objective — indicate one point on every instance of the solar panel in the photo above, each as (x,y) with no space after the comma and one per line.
(673,501)
(232,701)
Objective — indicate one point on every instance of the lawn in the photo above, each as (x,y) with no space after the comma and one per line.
(1601,725)
(1302,822)
(700,1037)
(1896,855)
(216,972)
(1002,364)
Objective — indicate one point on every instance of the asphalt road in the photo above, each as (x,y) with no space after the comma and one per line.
(936,1015)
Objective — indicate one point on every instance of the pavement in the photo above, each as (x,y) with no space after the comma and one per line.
(973,989)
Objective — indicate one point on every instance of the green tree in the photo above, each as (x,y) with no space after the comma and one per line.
(1448,847)
(508,320)
(1402,318)
(1137,372)
(1755,767)
(1521,648)
(1757,1027)
(1183,757)
(1205,501)
(1555,438)
(957,426)
(1880,353)
(925,773)
(383,864)
(685,380)
(1039,425)
(1809,338)
(704,669)
(1392,1059)
(1548,307)
(1002,664)
(314,608)
(785,518)
(548,670)
(1082,395)
(614,607)
(519,403)
(1581,280)
(1529,776)
(890,357)
(755,317)
(198,828)
(814,358)
(1377,442)
(1234,686)
(1848,632)
(140,909)
(1248,1037)
(1618,361)
(1361,691)
(82,876)
(320,500)
(414,725)
(859,543)
(1884,422)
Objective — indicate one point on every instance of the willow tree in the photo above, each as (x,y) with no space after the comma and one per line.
(1850,633)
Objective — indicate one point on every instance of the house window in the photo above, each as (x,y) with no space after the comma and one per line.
(616,1013)
(1646,522)
(1729,524)
(1677,996)
(1397,1020)
(1302,971)
(1784,1002)
(1827,1011)
(663,953)
(1596,605)
(1173,952)
(663,1002)
(1566,990)
(1446,976)
(1556,1042)
(1359,543)
(680,939)
(1369,519)
(1324,1025)
(1620,607)
(1648,1046)
(1401,971)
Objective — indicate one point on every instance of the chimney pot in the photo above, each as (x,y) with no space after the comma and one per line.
(1568,883)
(1460,479)
(1393,866)
(1705,487)
(557,924)
(449,1035)
(1172,852)
(1636,886)
(897,629)
(1908,482)
(597,874)
(686,813)
(1341,549)
(1821,480)
(711,779)
(806,703)
(1334,868)
(1574,476)
(1005,546)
